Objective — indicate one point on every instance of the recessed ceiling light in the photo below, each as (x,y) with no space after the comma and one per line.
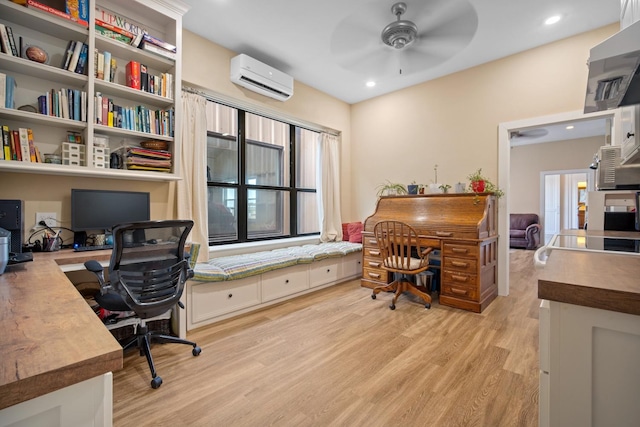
(552,20)
(569,127)
(371,83)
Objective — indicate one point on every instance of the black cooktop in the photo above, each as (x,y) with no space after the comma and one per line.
(597,243)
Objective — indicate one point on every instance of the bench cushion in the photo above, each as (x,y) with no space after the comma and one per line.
(240,266)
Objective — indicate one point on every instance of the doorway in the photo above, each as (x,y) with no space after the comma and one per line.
(563,203)
(504,171)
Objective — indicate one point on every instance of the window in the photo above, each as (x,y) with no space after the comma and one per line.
(251,160)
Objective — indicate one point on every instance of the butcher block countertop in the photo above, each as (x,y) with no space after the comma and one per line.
(609,281)
(49,336)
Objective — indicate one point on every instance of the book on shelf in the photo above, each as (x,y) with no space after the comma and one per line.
(25,155)
(114,35)
(107,66)
(12,41)
(148,38)
(82,59)
(6,143)
(68,54)
(112,69)
(5,46)
(42,105)
(107,26)
(32,146)
(15,146)
(150,47)
(133,74)
(135,42)
(78,9)
(144,78)
(57,12)
(112,18)
(10,90)
(3,89)
(73,62)
(99,65)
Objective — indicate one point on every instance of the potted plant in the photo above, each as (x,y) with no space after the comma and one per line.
(445,188)
(391,189)
(412,188)
(478,183)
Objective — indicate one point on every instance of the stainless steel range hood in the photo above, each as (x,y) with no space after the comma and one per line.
(614,79)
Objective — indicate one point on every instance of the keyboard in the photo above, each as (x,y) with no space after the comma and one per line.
(16,258)
(92,248)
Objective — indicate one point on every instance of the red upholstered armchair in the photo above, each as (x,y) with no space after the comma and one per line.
(524,231)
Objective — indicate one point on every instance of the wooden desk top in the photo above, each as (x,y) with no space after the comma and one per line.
(50,337)
(593,279)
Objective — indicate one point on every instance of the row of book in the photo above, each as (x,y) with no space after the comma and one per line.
(8,42)
(18,145)
(65,103)
(8,88)
(138,77)
(75,57)
(139,118)
(73,10)
(115,27)
(105,66)
(138,158)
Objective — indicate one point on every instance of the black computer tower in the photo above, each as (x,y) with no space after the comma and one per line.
(11,219)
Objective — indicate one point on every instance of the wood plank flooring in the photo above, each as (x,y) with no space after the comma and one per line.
(338,358)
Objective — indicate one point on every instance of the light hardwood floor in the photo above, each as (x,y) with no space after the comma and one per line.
(338,358)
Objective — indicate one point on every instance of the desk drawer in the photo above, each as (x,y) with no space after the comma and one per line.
(460,250)
(459,291)
(462,265)
(457,277)
(375,274)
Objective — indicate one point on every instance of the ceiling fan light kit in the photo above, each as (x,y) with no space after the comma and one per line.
(400,33)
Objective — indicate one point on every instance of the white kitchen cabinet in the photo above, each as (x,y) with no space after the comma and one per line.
(629,12)
(593,372)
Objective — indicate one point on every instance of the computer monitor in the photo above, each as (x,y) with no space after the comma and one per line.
(103,209)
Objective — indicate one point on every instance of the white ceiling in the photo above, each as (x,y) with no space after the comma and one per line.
(335,47)
(563,131)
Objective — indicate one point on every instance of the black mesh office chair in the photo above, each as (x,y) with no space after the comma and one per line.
(147,274)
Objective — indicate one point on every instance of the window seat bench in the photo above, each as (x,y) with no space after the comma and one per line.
(231,285)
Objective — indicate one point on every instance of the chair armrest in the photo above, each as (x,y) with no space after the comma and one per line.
(426,252)
(95,267)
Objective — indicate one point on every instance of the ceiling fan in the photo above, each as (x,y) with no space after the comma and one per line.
(425,33)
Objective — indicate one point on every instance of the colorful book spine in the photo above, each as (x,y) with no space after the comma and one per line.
(5,46)
(107,66)
(81,67)
(78,9)
(10,89)
(32,146)
(160,43)
(133,74)
(24,144)
(6,142)
(12,41)
(76,56)
(15,146)
(150,47)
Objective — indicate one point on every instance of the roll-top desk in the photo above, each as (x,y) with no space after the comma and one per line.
(462,226)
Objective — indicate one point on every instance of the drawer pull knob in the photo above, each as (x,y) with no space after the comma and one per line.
(374,264)
(328,270)
(286,281)
(459,264)
(459,291)
(444,233)
(230,295)
(373,241)
(459,250)
(459,278)
(374,253)
(374,275)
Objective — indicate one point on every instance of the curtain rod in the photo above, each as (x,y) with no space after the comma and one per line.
(255,109)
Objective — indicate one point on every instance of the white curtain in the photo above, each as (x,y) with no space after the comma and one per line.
(192,188)
(329,189)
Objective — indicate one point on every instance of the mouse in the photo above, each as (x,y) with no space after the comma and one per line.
(152,241)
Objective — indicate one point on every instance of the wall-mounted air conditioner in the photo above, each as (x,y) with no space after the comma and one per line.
(261,78)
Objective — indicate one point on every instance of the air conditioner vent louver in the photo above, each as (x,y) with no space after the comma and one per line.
(261,78)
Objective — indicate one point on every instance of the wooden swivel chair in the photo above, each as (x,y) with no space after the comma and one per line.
(397,242)
(147,274)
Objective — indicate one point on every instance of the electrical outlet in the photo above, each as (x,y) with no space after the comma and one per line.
(49,218)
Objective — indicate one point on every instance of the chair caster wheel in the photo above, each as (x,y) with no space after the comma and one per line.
(156,382)
(427,306)
(373,296)
(196,351)
(392,306)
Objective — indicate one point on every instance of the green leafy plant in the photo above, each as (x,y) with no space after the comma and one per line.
(445,188)
(391,188)
(489,187)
